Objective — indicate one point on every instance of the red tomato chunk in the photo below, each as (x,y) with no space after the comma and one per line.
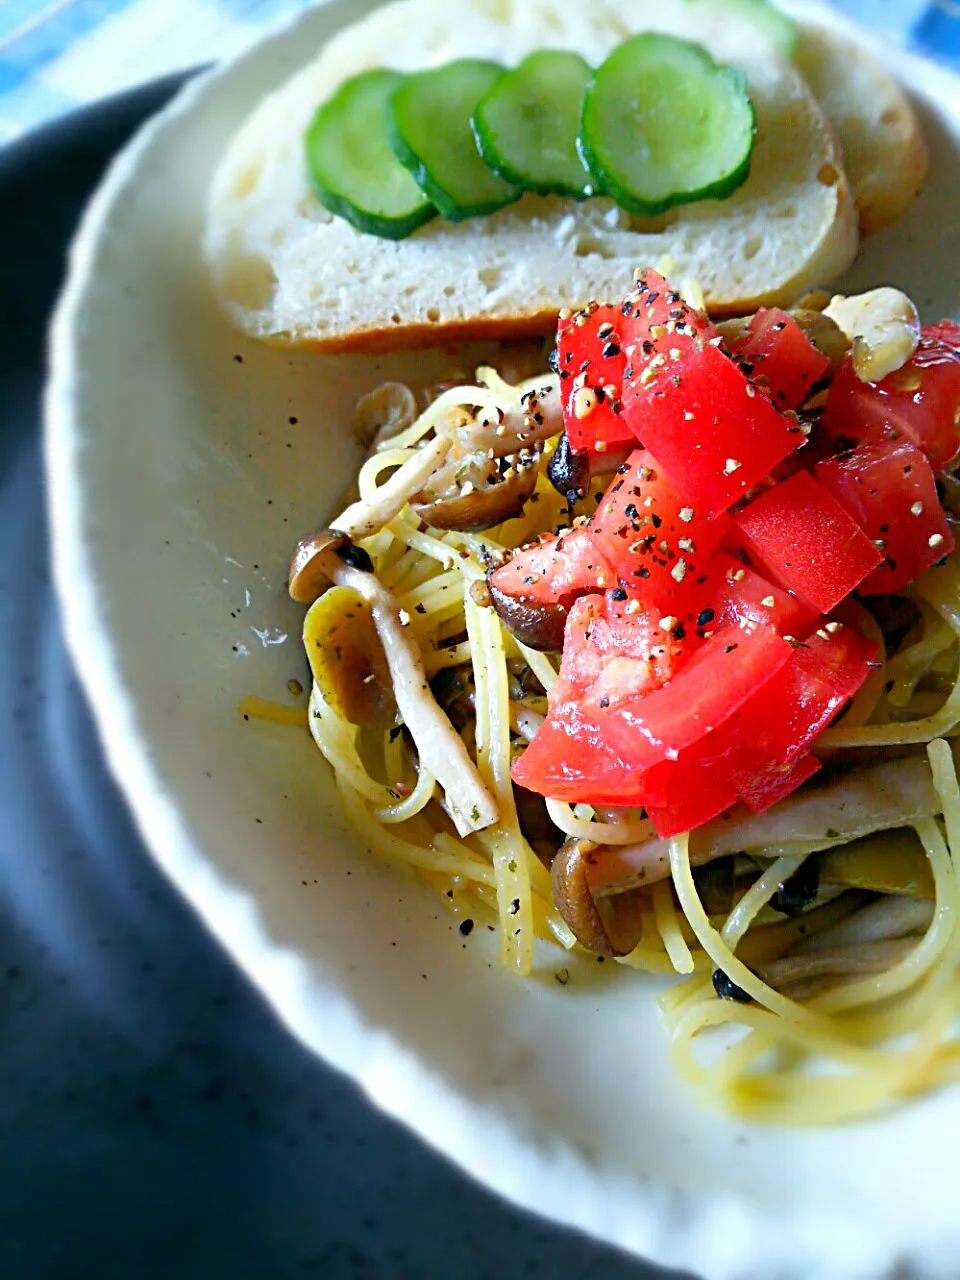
(919,403)
(555,570)
(571,760)
(691,679)
(775,731)
(761,754)
(774,784)
(945,331)
(744,597)
(690,793)
(655,541)
(891,492)
(802,534)
(614,652)
(590,362)
(704,421)
(779,357)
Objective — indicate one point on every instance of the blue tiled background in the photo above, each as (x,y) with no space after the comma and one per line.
(57,54)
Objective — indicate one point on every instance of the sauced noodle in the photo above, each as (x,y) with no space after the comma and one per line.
(819,1048)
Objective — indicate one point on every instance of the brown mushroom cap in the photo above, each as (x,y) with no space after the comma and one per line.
(538,626)
(610,927)
(571,474)
(313,565)
(484,507)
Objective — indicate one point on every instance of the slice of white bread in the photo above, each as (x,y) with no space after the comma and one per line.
(884,153)
(288,272)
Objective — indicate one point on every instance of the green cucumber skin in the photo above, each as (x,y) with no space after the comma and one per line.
(631,203)
(449,208)
(634,203)
(329,193)
(500,165)
(607,171)
(369,223)
(495,161)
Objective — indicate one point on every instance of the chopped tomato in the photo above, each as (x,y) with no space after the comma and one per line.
(534,590)
(713,734)
(654,313)
(590,362)
(555,570)
(891,492)
(744,597)
(778,356)
(691,680)
(570,760)
(946,331)
(703,420)
(776,783)
(801,700)
(720,676)
(615,650)
(758,755)
(919,402)
(803,536)
(657,544)
(599,752)
(689,795)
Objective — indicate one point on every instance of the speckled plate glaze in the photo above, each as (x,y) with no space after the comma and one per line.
(182,462)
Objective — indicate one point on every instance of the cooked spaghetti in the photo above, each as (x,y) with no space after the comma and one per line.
(823,933)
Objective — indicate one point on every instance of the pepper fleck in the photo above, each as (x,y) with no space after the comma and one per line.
(727,989)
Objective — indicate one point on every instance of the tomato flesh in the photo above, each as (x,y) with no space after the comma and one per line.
(555,570)
(570,760)
(803,536)
(945,331)
(745,597)
(611,655)
(654,540)
(722,674)
(590,362)
(704,421)
(762,753)
(919,402)
(891,492)
(798,704)
(779,357)
(687,796)
(773,785)
(699,660)
(600,750)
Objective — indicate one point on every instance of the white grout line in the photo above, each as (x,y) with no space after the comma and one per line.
(31,24)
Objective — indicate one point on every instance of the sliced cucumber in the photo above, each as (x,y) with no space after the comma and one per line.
(779,28)
(663,125)
(527,125)
(431,134)
(351,166)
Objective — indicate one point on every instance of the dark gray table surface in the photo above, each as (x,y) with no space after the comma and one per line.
(154,1118)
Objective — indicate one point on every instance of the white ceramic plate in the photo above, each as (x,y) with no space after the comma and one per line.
(183,462)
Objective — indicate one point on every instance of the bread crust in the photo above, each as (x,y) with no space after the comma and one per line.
(884,152)
(288,274)
(382,340)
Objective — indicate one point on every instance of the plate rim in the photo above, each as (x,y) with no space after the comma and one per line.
(666,1223)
